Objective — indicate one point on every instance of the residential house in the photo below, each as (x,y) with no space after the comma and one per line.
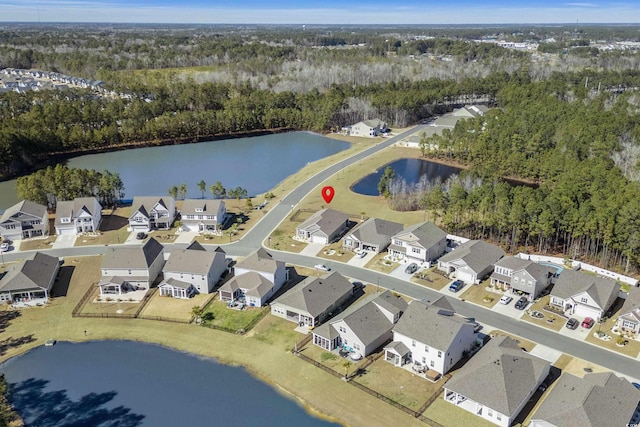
(368,128)
(130,268)
(471,111)
(497,382)
(431,337)
(584,295)
(203,215)
(629,318)
(257,278)
(521,275)
(24,220)
(152,213)
(372,235)
(80,215)
(363,328)
(471,262)
(423,242)
(29,281)
(598,399)
(324,226)
(313,300)
(192,270)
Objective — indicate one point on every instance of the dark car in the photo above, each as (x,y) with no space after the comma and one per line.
(522,303)
(456,286)
(411,268)
(141,236)
(572,323)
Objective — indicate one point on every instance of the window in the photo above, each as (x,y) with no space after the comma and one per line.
(426,348)
(65,220)
(424,360)
(413,343)
(342,329)
(628,324)
(415,250)
(498,416)
(432,364)
(356,346)
(199,210)
(489,412)
(583,300)
(439,354)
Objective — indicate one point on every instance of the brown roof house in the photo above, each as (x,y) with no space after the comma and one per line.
(24,220)
(128,268)
(152,213)
(584,295)
(313,300)
(372,235)
(29,281)
(80,215)
(191,271)
(363,328)
(497,382)
(257,278)
(629,318)
(597,400)
(471,262)
(324,226)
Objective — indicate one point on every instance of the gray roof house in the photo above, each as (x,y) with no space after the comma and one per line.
(80,215)
(152,213)
(129,268)
(423,242)
(362,328)
(497,382)
(436,347)
(324,226)
(257,278)
(29,281)
(193,266)
(518,274)
(629,318)
(600,399)
(313,300)
(368,128)
(203,215)
(471,262)
(24,220)
(584,295)
(372,235)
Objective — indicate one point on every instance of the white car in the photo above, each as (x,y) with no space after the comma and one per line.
(4,247)
(506,299)
(321,267)
(361,254)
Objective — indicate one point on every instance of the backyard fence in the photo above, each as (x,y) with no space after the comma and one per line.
(166,319)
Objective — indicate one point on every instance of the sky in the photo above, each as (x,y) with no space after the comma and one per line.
(321,12)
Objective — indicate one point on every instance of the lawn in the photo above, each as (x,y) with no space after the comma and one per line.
(232,319)
(450,415)
(282,237)
(527,345)
(174,308)
(550,320)
(331,359)
(632,348)
(431,279)
(378,263)
(37,243)
(335,252)
(479,294)
(113,228)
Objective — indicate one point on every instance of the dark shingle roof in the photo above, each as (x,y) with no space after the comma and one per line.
(570,283)
(132,257)
(32,273)
(477,254)
(314,295)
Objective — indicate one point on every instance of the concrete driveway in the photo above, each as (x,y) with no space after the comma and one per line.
(312,249)
(547,353)
(64,241)
(361,262)
(399,273)
(579,333)
(509,309)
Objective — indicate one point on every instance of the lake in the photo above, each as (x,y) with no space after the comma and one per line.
(131,384)
(256,163)
(411,170)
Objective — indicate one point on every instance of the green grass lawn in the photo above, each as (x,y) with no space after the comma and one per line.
(450,415)
(231,319)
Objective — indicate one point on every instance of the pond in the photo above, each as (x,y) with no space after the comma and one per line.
(131,384)
(411,170)
(256,163)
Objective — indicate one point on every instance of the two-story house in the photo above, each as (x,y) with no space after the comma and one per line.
(629,318)
(324,226)
(471,262)
(423,242)
(191,271)
(363,328)
(584,295)
(518,274)
(24,220)
(152,213)
(80,215)
(203,215)
(372,235)
(368,128)
(431,337)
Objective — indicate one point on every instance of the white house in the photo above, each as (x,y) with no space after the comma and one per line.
(152,213)
(29,281)
(363,328)
(430,337)
(24,220)
(368,128)
(497,382)
(324,226)
(193,266)
(584,295)
(471,262)
(423,242)
(372,235)
(203,215)
(80,215)
(518,274)
(629,318)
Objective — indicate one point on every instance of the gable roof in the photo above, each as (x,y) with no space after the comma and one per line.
(476,254)
(208,206)
(260,260)
(314,295)
(144,204)
(175,284)
(372,123)
(601,289)
(443,325)
(325,220)
(73,208)
(517,264)
(427,234)
(600,399)
(195,261)
(34,272)
(132,257)
(24,207)
(631,307)
(256,285)
(377,231)
(500,376)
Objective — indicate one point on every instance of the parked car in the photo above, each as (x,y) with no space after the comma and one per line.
(4,247)
(361,254)
(411,268)
(456,286)
(357,285)
(506,299)
(321,267)
(141,236)
(587,322)
(636,385)
(572,323)
(522,303)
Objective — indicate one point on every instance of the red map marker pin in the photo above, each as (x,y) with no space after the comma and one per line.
(327,193)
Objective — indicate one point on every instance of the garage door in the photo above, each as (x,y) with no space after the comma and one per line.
(66,231)
(319,239)
(465,277)
(584,311)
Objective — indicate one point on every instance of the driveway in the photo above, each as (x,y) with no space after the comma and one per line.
(186,237)
(547,353)
(361,262)
(312,249)
(579,333)
(64,241)
(399,273)
(509,309)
